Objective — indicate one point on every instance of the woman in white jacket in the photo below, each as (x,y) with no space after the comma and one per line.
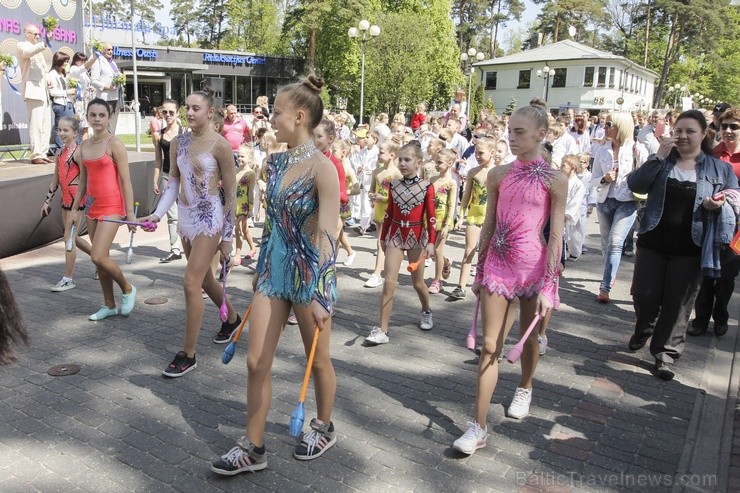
(62,97)
(616,208)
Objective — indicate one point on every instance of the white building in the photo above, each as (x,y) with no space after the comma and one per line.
(568,74)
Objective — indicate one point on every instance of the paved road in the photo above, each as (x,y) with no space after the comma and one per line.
(600,420)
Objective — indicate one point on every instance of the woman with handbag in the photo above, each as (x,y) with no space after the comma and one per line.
(685,186)
(616,207)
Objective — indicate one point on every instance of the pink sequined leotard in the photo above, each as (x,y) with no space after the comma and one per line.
(516,260)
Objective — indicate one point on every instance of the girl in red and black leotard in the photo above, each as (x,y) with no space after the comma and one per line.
(66,176)
(410,226)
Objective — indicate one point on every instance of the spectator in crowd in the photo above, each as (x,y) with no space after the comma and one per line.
(85,92)
(651,134)
(715,293)
(102,73)
(456,113)
(419,117)
(236,129)
(579,132)
(259,118)
(461,101)
(714,124)
(598,130)
(33,91)
(381,126)
(682,218)
(62,97)
(617,209)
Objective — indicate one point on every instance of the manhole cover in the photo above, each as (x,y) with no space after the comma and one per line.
(157,300)
(62,370)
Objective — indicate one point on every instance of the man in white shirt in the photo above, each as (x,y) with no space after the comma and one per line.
(458,142)
(101,76)
(648,136)
(34,92)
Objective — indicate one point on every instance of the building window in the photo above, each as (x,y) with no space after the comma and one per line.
(612,75)
(602,77)
(491,80)
(558,80)
(588,77)
(525,76)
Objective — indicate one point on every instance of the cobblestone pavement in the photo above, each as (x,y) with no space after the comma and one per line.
(600,421)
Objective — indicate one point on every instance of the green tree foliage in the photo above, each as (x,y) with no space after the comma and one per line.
(185,16)
(510,108)
(255,26)
(213,23)
(558,15)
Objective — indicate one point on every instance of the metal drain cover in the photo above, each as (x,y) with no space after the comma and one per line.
(62,370)
(157,300)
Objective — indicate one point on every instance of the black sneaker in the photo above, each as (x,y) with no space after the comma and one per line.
(458,293)
(227,331)
(317,441)
(664,370)
(245,457)
(180,365)
(720,329)
(637,343)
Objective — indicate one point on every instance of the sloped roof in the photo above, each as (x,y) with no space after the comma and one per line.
(562,50)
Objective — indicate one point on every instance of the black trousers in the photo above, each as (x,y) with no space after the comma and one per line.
(664,288)
(715,294)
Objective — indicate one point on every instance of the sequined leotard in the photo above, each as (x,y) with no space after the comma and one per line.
(478,202)
(104,186)
(382,184)
(515,264)
(444,201)
(69,177)
(410,203)
(290,265)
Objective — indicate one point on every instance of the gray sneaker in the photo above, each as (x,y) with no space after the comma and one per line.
(458,293)
(426,321)
(377,336)
(317,441)
(242,458)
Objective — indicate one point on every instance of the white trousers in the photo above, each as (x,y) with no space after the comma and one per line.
(39,127)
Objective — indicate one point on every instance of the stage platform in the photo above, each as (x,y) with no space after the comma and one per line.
(23,188)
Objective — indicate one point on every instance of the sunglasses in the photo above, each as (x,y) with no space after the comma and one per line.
(479,136)
(732,126)
(608,124)
(169,112)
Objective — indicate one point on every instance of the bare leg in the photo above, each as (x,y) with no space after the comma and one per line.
(417,278)
(380,259)
(393,259)
(266,322)
(69,257)
(325,379)
(531,352)
(108,271)
(472,233)
(439,259)
(498,316)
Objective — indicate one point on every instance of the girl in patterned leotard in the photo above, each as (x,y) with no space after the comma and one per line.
(295,270)
(104,176)
(409,226)
(474,203)
(67,177)
(516,262)
(200,160)
(445,202)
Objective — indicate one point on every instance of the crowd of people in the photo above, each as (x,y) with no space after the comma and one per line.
(519,187)
(52,93)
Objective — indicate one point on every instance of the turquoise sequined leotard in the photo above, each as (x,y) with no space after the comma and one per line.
(289,265)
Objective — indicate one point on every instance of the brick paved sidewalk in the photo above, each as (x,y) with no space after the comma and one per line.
(600,421)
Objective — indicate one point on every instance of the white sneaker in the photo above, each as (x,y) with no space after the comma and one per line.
(250,223)
(374,282)
(426,321)
(542,341)
(377,336)
(350,259)
(427,262)
(63,285)
(519,407)
(472,440)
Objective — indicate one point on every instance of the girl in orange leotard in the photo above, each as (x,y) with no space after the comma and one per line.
(67,176)
(104,175)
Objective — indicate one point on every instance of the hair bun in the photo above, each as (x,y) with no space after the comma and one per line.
(314,83)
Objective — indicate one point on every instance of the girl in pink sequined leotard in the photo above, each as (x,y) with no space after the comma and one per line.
(515,261)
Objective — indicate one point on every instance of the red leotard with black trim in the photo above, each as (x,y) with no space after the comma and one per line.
(410,204)
(68,172)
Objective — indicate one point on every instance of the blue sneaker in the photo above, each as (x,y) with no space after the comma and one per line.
(128,301)
(104,312)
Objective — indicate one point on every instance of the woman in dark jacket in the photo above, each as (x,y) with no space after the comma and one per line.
(683,182)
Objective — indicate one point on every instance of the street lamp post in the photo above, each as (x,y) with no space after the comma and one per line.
(464,57)
(365,28)
(546,73)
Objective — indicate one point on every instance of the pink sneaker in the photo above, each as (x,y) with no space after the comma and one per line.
(435,287)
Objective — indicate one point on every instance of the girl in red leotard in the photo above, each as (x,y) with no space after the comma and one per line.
(409,226)
(104,175)
(67,176)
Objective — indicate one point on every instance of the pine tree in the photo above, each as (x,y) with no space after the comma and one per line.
(510,108)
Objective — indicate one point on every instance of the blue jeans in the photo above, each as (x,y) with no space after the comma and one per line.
(615,221)
(59,112)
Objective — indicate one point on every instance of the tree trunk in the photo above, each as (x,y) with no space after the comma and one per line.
(311,48)
(494,31)
(557,29)
(670,54)
(647,34)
